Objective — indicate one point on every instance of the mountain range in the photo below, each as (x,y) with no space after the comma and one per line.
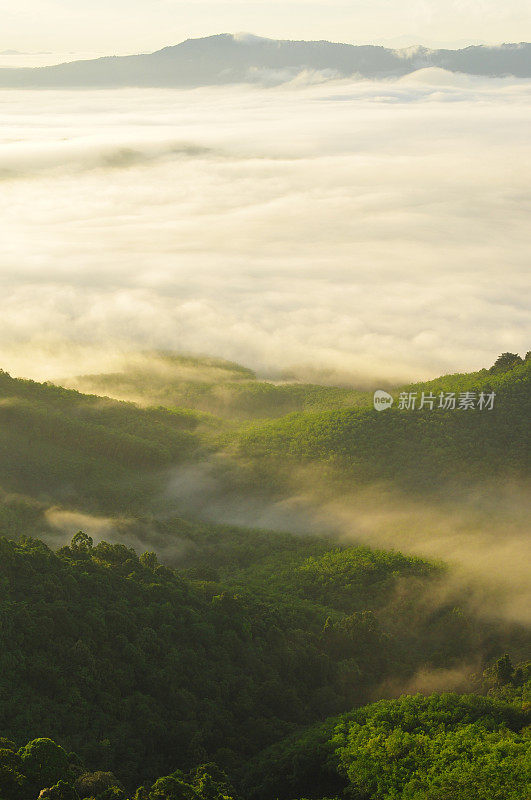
(243,58)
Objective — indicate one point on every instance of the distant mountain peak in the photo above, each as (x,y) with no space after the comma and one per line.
(248,38)
(229,58)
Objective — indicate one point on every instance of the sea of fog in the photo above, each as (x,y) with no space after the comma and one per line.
(362,229)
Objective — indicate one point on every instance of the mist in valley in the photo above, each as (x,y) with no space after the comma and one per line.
(351,233)
(227,570)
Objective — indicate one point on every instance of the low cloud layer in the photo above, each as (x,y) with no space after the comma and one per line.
(482,535)
(368,229)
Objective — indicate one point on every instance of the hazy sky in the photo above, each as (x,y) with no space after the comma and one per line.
(119,26)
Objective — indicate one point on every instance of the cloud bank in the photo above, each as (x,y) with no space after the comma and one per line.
(368,229)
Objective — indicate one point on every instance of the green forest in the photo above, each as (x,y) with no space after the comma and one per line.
(158,643)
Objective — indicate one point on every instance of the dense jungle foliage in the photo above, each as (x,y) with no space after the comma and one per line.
(161,656)
(141,670)
(421,449)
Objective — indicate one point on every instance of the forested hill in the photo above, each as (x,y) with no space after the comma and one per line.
(441,747)
(61,444)
(438,747)
(416,448)
(224,653)
(58,446)
(142,670)
(214,386)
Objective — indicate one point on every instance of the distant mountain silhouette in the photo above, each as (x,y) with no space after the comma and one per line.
(227,58)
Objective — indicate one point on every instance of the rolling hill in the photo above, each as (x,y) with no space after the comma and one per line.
(94,452)
(58,444)
(235,649)
(213,386)
(420,449)
(143,670)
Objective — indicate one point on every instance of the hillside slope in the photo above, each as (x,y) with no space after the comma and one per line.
(414,448)
(61,445)
(437,747)
(142,669)
(213,386)
(414,748)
